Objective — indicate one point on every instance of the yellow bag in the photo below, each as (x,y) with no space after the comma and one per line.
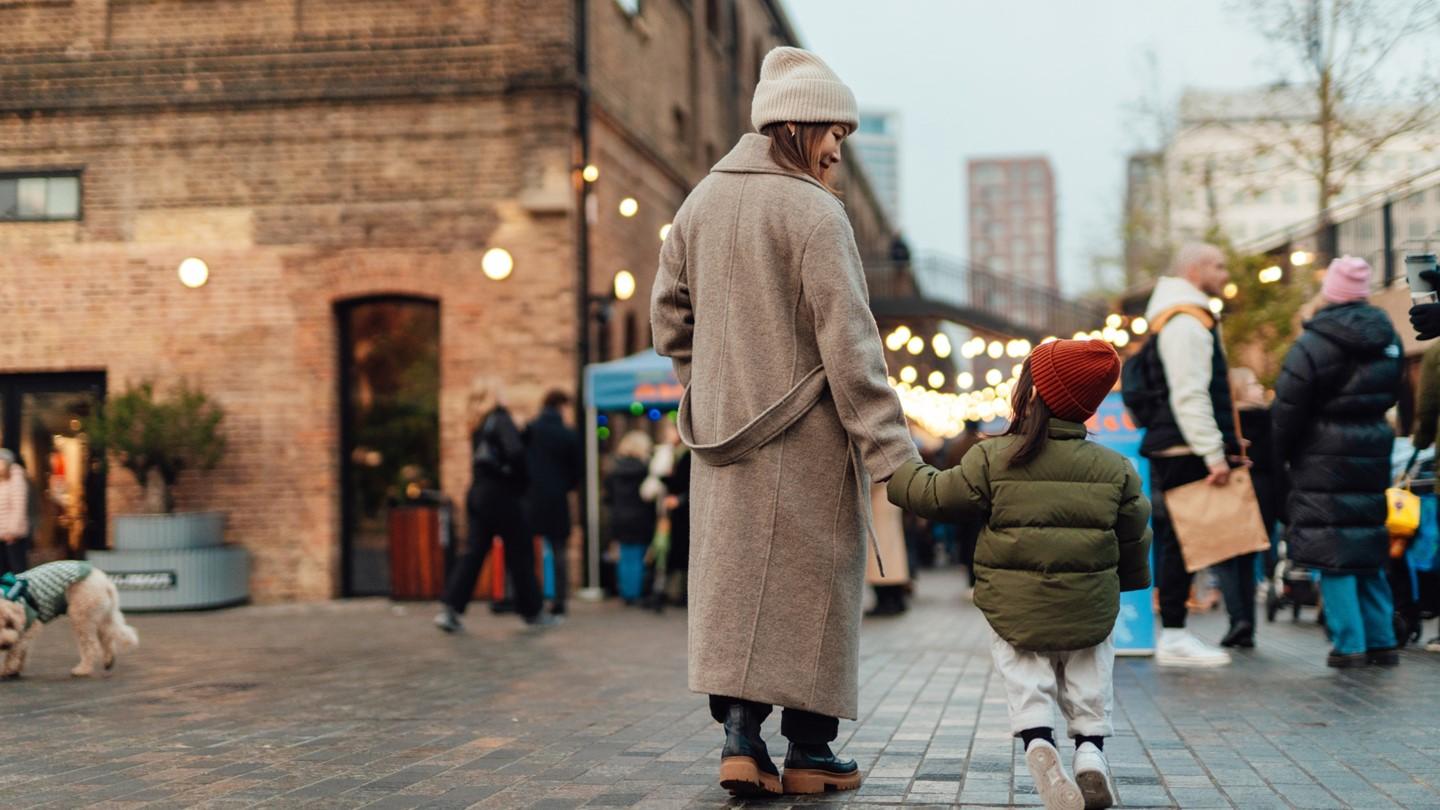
(1403,519)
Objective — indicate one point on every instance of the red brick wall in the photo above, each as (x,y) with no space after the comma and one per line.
(313,151)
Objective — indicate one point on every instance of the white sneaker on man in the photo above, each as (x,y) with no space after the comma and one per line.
(1179,648)
(1057,790)
(1092,774)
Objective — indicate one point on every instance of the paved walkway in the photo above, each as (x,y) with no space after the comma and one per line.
(363,704)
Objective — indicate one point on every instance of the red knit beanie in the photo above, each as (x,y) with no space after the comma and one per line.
(1073,376)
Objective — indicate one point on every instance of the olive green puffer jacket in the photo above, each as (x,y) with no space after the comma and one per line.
(1064,534)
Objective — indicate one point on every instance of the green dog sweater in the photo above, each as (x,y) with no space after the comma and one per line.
(42,589)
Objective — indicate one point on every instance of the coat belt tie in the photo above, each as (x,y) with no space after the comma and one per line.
(765,427)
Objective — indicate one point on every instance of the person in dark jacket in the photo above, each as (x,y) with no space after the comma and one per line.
(632,517)
(494,506)
(1237,575)
(1337,382)
(553,458)
(677,502)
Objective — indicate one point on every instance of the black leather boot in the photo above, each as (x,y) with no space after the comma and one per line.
(745,765)
(814,768)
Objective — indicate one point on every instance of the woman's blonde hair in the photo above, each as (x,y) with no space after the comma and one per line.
(635,444)
(484,396)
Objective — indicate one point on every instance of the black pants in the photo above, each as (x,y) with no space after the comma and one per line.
(12,557)
(1172,580)
(1237,585)
(489,517)
(969,536)
(798,726)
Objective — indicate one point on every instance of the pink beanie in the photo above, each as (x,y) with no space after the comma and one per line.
(1347,279)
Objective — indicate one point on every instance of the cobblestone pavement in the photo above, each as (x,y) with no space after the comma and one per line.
(364,704)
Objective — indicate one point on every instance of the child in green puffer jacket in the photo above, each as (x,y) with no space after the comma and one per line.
(1066,529)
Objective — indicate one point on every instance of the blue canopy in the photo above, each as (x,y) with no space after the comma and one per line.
(646,378)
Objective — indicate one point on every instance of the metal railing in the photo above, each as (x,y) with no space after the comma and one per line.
(1380,228)
(956,290)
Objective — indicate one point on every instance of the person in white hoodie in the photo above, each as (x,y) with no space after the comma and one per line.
(1189,426)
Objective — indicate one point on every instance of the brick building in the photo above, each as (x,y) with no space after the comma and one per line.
(1012,218)
(341,166)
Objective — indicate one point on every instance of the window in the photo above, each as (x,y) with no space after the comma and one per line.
(630,7)
(39,197)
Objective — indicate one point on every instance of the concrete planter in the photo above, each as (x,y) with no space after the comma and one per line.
(175,562)
(174,531)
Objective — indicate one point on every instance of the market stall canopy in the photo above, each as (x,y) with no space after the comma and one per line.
(646,378)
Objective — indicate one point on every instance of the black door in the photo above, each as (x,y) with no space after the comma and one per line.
(390,426)
(41,422)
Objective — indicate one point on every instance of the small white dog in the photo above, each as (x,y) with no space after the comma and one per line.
(37,597)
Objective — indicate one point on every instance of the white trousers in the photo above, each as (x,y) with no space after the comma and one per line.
(1079,682)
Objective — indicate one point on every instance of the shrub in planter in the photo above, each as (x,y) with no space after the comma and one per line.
(156,438)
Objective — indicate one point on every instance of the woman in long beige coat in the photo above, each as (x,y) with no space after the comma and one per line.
(761,303)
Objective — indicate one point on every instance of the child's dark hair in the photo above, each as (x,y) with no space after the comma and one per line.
(1031,419)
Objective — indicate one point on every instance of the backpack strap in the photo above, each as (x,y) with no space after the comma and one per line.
(1195,311)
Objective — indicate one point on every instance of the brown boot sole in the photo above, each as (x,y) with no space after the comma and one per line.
(811,781)
(742,777)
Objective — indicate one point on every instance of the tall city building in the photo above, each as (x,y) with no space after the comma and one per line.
(877,141)
(1012,218)
(1234,162)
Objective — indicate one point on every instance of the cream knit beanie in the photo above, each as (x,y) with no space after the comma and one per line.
(796,85)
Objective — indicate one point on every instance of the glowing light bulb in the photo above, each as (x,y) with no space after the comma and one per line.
(497,264)
(194,273)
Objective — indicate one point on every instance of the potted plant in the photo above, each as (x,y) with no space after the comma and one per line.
(164,559)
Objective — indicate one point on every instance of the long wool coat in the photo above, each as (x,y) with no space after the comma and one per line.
(761,303)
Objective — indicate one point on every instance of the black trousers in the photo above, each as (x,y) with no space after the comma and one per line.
(488,517)
(1172,580)
(12,557)
(1237,585)
(798,726)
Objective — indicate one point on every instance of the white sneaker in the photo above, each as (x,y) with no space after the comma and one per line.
(1092,774)
(1178,648)
(1057,790)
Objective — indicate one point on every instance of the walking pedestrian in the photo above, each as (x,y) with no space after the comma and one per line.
(1238,575)
(1064,533)
(555,464)
(761,303)
(1426,422)
(1179,391)
(1337,382)
(632,514)
(494,506)
(677,505)
(14,515)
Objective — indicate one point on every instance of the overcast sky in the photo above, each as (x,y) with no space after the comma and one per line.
(977,77)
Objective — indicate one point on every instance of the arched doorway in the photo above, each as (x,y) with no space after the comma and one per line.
(390,425)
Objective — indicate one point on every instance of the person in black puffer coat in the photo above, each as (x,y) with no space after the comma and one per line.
(632,516)
(1337,382)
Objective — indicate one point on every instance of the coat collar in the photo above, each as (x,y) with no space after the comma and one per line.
(751,155)
(1065,429)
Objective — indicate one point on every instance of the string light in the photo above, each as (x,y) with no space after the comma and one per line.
(624,285)
(590,173)
(915,345)
(629,207)
(908,374)
(941,344)
(937,379)
(1139,326)
(664,232)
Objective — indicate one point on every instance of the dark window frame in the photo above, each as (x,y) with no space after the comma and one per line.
(47,174)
